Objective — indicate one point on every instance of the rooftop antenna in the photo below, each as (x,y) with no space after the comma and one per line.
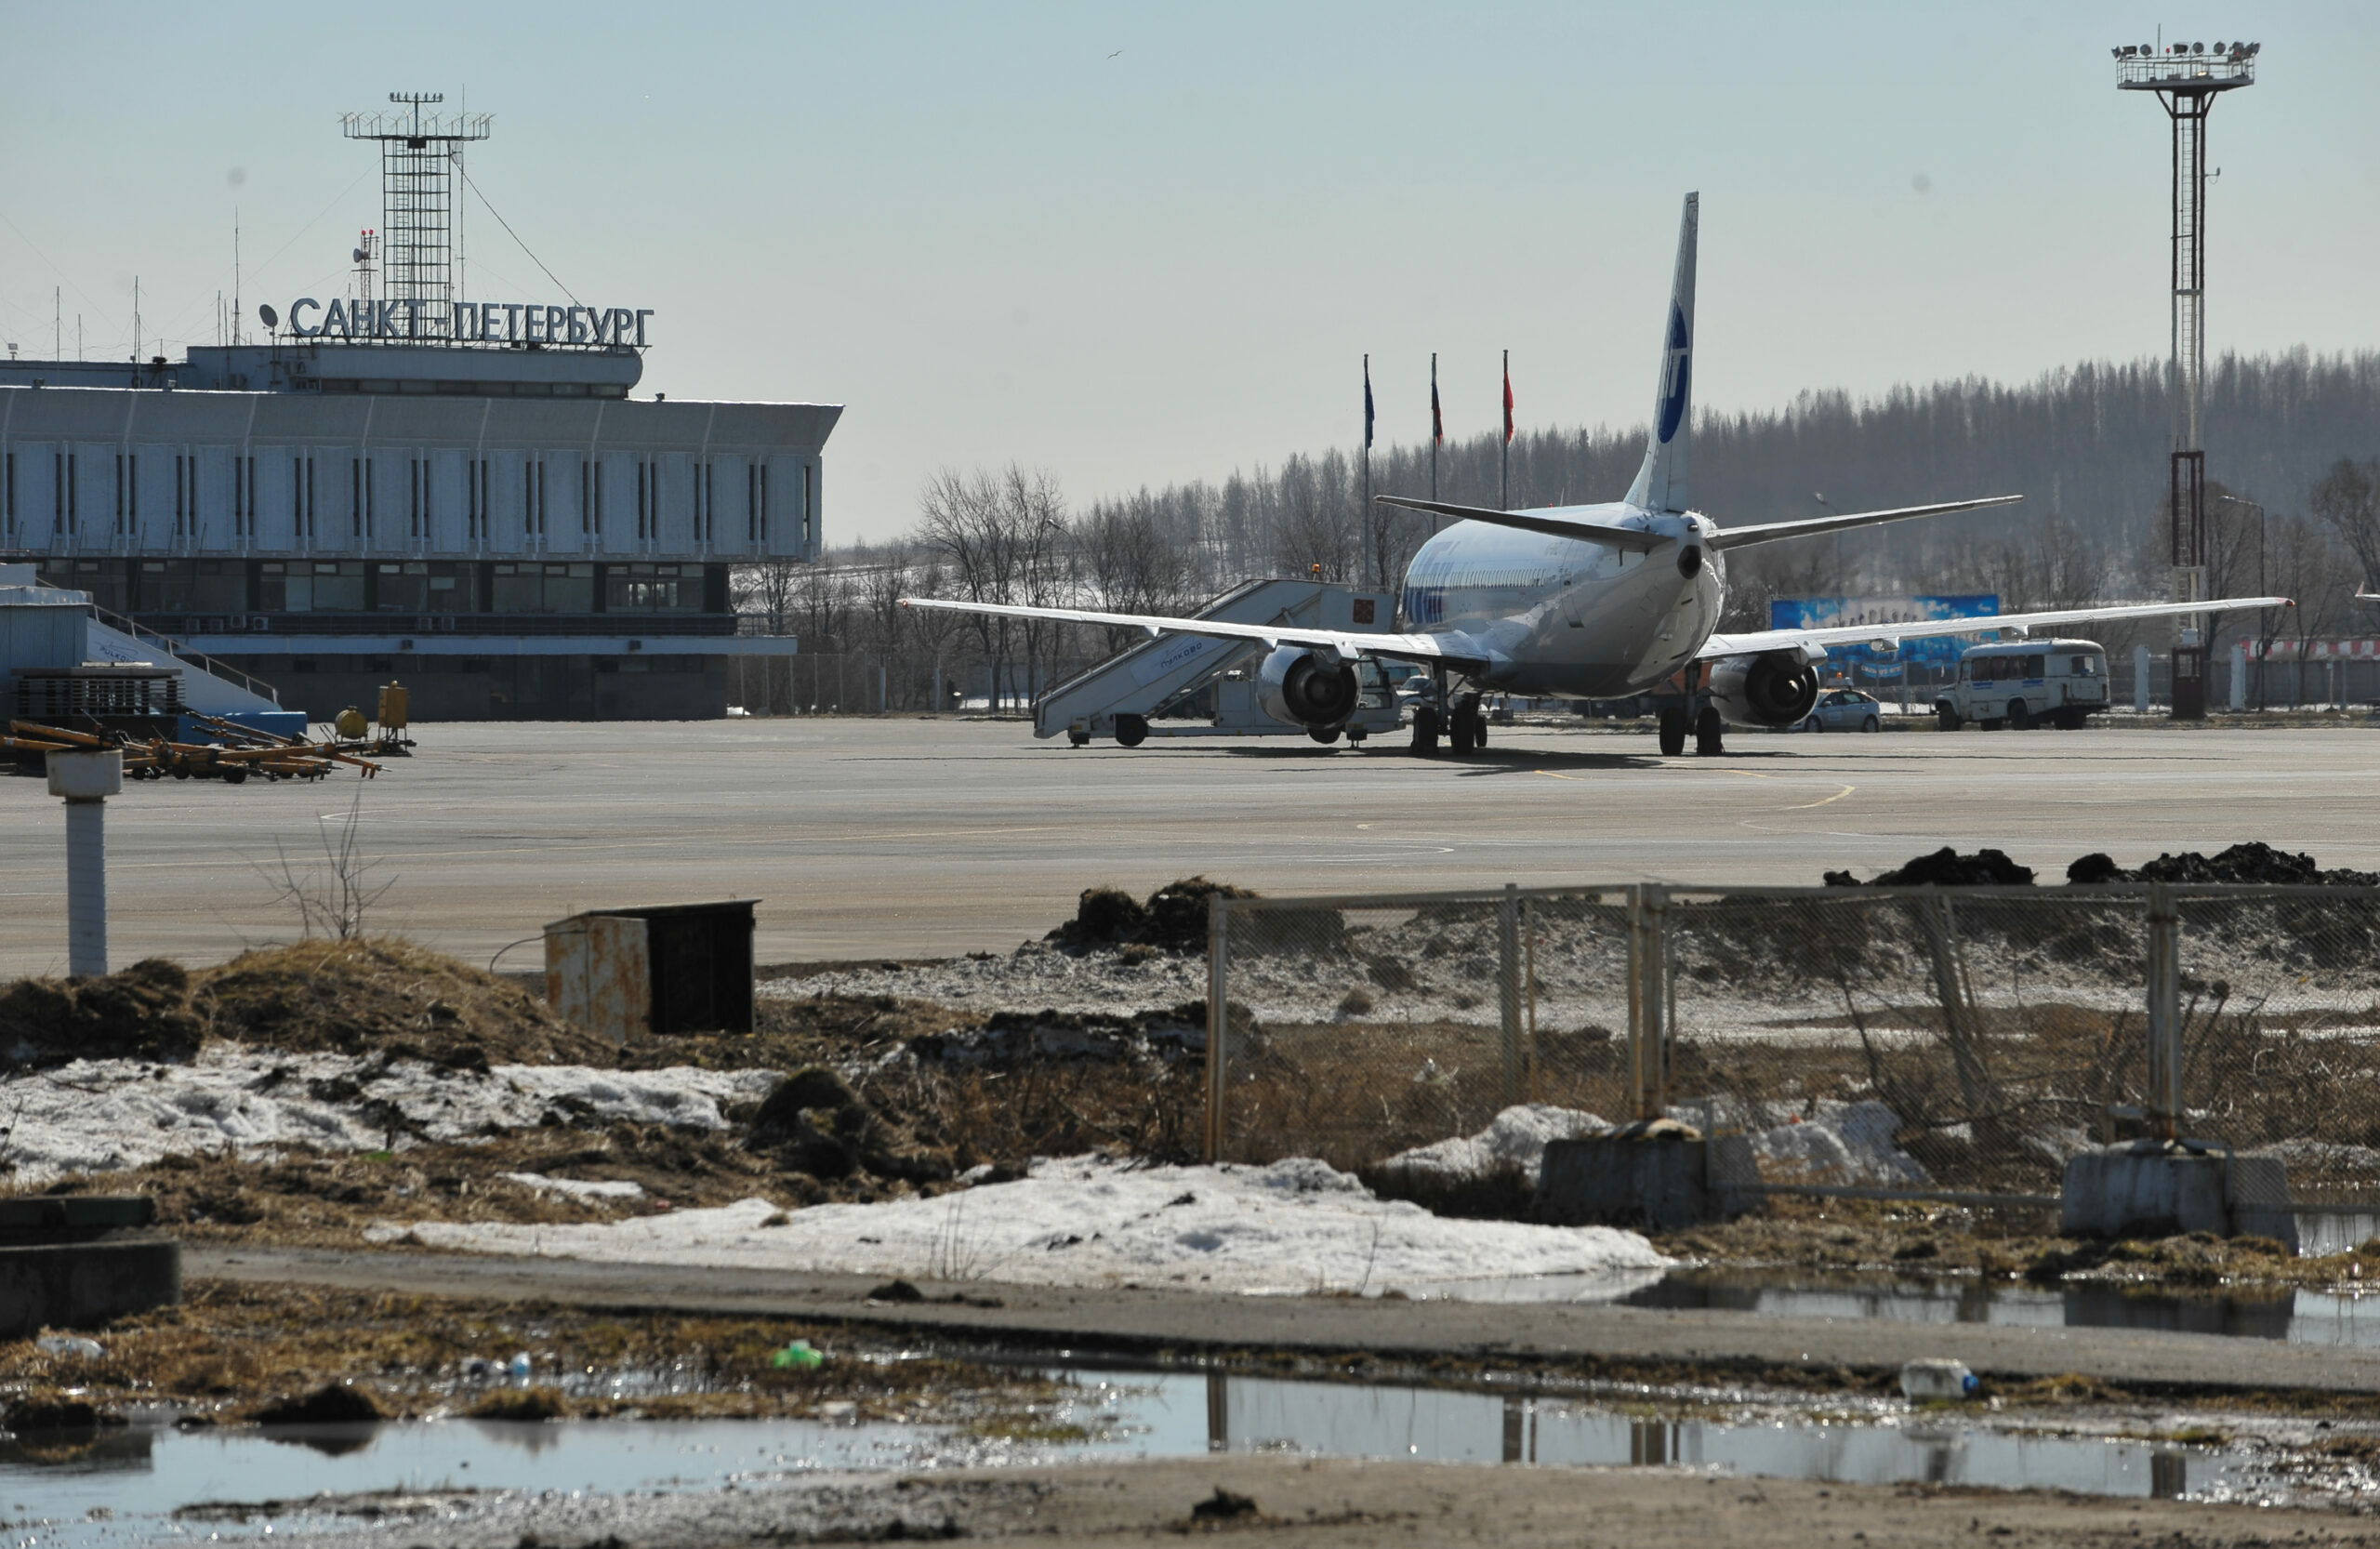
(2186,80)
(367,245)
(419,155)
(235,273)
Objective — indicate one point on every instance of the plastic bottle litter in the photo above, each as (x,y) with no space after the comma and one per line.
(797,1357)
(70,1344)
(1924,1380)
(520,1366)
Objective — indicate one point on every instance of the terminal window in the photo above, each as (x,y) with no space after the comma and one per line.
(312,586)
(425,586)
(107,580)
(653,589)
(542,589)
(194,586)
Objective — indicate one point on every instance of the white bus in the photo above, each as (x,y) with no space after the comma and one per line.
(2025,684)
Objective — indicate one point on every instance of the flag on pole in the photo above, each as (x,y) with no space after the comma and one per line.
(1368,403)
(1437,421)
(1508,398)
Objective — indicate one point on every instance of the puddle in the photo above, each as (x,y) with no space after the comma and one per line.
(2298,1316)
(127,1485)
(1255,1415)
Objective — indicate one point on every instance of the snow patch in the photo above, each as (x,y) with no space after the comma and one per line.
(100,1116)
(1294,1226)
(575,1188)
(1840,1143)
(1513,1141)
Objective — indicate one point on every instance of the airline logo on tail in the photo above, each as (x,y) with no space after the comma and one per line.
(1675,372)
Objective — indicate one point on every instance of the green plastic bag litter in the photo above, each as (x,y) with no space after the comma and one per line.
(797,1357)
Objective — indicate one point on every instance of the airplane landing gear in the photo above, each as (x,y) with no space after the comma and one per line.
(1425,729)
(1707,730)
(1673,729)
(1467,730)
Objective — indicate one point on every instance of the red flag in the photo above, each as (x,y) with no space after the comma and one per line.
(1507,400)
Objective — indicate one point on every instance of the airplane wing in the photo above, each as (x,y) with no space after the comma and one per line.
(1774,532)
(1815,641)
(1348,644)
(1550,522)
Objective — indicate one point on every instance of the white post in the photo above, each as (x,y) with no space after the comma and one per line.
(2239,676)
(2140,678)
(85,781)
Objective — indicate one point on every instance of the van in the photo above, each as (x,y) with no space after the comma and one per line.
(2025,684)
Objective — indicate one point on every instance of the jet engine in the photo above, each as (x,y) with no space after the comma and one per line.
(1307,688)
(1777,688)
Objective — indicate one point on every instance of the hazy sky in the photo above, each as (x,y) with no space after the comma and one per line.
(1139,244)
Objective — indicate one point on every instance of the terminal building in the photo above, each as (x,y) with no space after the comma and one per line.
(464,496)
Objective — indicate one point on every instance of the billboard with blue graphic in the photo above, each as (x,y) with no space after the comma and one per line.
(1865,659)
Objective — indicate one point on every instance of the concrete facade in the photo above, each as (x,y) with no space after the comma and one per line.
(266,503)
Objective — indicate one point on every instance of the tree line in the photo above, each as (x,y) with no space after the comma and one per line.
(2292,444)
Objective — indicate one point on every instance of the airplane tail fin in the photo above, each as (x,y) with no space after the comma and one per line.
(1661,483)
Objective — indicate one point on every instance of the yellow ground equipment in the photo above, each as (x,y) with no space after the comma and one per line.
(384,735)
(240,752)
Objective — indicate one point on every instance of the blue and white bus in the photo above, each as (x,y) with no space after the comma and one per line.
(2025,684)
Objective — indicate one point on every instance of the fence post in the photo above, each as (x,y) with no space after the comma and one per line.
(2165,1013)
(1528,978)
(1217,1018)
(1508,988)
(1649,999)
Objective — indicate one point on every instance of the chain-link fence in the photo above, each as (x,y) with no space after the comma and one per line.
(1922,1040)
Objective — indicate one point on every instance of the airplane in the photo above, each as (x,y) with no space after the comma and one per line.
(1589,601)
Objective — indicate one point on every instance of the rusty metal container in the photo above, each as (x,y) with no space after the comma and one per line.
(668,968)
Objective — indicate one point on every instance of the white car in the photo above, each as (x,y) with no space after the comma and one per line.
(1845,710)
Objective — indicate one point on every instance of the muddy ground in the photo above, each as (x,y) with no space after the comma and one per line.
(865,1096)
(1286,1502)
(856,1098)
(236,1353)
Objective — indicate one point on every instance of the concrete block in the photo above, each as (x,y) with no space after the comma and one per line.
(2146,1188)
(2260,1203)
(1661,1181)
(82,1285)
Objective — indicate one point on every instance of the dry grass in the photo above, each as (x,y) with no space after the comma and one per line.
(234,1348)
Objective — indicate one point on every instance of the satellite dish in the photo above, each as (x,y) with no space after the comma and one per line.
(359,255)
(272,318)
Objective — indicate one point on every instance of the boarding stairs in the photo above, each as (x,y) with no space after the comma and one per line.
(1153,679)
(209,687)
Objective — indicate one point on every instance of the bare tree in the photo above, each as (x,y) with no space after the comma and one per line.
(2346,499)
(1131,564)
(333,897)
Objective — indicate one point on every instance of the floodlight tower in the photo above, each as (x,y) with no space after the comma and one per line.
(2188,77)
(420,154)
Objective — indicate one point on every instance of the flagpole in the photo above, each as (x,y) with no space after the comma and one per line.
(1506,499)
(1434,436)
(1371,517)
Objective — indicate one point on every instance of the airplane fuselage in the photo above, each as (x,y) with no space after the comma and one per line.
(1566,618)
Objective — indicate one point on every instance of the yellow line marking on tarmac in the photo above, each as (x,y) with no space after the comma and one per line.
(1836,796)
